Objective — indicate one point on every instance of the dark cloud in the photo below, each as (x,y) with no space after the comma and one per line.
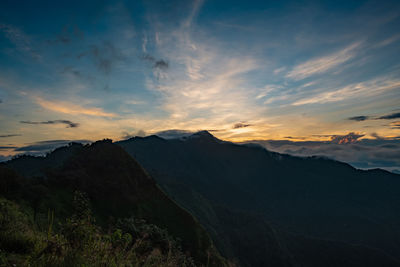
(49,145)
(358,118)
(157,64)
(127,135)
(104,56)
(1,101)
(346,139)
(161,64)
(9,135)
(395,125)
(69,124)
(384,117)
(390,116)
(240,125)
(295,137)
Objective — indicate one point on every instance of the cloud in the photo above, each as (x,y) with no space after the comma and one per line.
(295,137)
(157,64)
(127,135)
(390,116)
(174,134)
(9,135)
(346,139)
(359,118)
(385,117)
(19,39)
(161,64)
(144,43)
(49,145)
(69,124)
(195,10)
(75,73)
(148,58)
(7,147)
(395,125)
(366,153)
(279,70)
(323,64)
(388,41)
(362,89)
(67,35)
(69,108)
(104,56)
(240,125)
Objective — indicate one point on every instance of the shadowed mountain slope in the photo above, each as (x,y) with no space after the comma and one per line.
(317,198)
(118,187)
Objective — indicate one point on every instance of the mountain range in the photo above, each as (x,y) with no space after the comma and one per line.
(306,198)
(258,207)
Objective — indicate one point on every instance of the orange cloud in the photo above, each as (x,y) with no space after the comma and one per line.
(68,108)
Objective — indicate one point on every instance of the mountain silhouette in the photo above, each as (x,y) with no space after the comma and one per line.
(346,216)
(260,208)
(118,187)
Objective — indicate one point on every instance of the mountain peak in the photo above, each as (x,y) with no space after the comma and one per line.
(204,135)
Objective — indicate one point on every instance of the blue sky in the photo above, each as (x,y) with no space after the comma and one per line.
(246,70)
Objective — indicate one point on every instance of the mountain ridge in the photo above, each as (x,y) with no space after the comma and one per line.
(296,194)
(119,187)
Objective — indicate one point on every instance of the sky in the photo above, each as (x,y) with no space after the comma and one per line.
(244,70)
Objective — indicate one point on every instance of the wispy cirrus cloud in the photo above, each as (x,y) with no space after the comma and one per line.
(389,40)
(362,89)
(204,83)
(21,40)
(197,4)
(323,64)
(69,108)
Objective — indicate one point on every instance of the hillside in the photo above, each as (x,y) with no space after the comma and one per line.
(117,187)
(316,198)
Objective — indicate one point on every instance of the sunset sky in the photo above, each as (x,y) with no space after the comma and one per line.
(287,70)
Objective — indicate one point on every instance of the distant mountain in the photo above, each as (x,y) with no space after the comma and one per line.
(117,186)
(262,207)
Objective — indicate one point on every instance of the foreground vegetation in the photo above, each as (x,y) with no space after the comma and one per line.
(78,241)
